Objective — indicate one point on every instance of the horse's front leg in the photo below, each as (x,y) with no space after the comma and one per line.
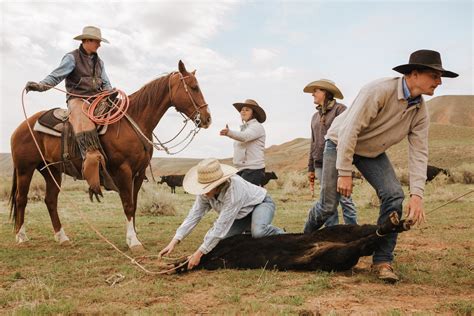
(124,181)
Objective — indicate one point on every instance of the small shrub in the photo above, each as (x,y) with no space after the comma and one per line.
(462,174)
(295,182)
(156,202)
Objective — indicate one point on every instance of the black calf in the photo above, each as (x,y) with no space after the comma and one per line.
(173,181)
(334,248)
(432,172)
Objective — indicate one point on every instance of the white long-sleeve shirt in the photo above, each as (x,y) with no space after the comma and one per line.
(249,145)
(235,201)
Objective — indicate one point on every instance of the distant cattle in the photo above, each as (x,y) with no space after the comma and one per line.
(269,176)
(173,181)
(334,248)
(432,172)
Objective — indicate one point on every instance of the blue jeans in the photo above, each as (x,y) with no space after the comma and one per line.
(349,212)
(380,174)
(258,221)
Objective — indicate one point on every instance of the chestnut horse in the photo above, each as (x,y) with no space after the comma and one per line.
(128,154)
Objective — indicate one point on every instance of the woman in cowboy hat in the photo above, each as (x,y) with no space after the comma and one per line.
(324,93)
(241,206)
(249,145)
(384,113)
(85,75)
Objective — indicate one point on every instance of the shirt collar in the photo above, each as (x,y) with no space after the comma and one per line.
(406,94)
(245,124)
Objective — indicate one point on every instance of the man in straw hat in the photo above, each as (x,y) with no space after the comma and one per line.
(249,145)
(385,112)
(324,94)
(85,75)
(241,206)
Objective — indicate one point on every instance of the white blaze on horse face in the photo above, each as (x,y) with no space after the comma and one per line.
(132,240)
(60,236)
(21,235)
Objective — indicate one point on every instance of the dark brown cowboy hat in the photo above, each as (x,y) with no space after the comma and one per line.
(425,58)
(258,112)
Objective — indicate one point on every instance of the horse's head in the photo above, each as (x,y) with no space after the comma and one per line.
(187,97)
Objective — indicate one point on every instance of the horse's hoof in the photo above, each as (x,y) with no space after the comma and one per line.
(137,249)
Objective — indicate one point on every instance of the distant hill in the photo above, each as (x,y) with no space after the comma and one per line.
(452,110)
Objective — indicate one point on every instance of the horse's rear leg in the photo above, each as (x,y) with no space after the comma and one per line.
(51,201)
(19,201)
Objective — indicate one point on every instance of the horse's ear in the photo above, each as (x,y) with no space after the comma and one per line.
(181,67)
(194,72)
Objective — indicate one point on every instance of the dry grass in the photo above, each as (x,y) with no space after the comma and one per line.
(294,182)
(156,201)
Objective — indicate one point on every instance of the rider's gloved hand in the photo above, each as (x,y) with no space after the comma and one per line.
(34,86)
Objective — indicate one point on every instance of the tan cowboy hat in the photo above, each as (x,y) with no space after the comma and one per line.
(91,32)
(207,175)
(425,58)
(258,112)
(326,85)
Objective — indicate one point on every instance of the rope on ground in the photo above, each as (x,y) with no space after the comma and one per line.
(449,202)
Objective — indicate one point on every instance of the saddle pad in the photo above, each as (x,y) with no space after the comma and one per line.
(52,122)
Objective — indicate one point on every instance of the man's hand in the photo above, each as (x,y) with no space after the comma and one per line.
(34,86)
(311,176)
(195,259)
(344,185)
(415,211)
(225,131)
(169,249)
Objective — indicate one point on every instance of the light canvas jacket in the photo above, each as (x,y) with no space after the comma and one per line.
(378,119)
(249,145)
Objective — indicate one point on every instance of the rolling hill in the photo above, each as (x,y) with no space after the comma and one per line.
(452,110)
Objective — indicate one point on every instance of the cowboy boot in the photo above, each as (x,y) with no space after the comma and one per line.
(90,171)
(89,145)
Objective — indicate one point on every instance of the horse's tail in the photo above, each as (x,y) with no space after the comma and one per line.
(12,199)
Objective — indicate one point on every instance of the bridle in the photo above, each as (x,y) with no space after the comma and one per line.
(196,120)
(197,117)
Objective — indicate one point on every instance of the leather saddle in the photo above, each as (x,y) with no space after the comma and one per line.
(52,122)
(55,122)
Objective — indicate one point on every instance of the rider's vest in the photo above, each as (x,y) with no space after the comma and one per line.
(86,78)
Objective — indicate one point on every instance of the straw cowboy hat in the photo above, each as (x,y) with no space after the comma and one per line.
(207,175)
(425,58)
(258,112)
(326,85)
(91,32)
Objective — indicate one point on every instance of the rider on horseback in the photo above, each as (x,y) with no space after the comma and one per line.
(85,75)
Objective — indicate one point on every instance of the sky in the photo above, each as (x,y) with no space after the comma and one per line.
(263,50)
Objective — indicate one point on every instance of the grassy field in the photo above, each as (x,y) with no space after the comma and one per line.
(435,263)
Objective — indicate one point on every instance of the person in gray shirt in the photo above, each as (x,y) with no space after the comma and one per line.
(241,206)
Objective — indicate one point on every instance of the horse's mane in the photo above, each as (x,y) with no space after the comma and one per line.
(149,94)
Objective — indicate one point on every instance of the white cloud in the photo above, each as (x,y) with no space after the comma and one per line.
(263,55)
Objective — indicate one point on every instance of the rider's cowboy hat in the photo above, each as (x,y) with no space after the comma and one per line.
(207,175)
(326,85)
(258,112)
(91,32)
(425,58)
